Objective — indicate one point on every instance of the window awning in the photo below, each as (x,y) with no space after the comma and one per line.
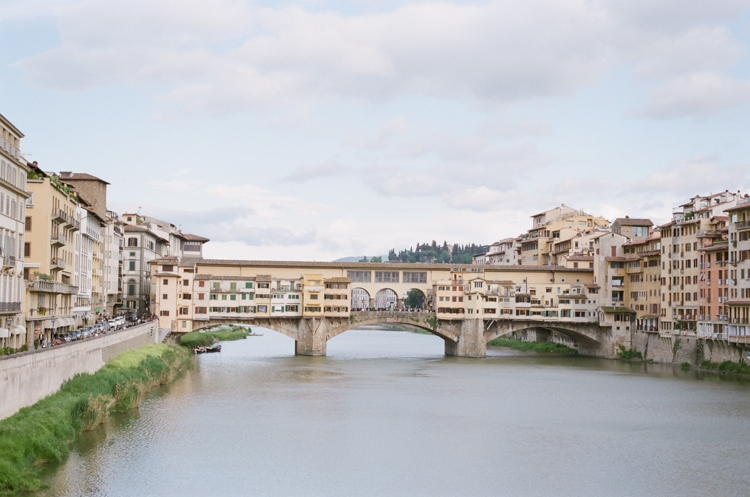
(19,330)
(4,333)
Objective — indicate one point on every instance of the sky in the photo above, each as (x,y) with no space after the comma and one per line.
(314,130)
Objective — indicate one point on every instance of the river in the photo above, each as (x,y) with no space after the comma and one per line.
(386,414)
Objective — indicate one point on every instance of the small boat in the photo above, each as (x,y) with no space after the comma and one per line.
(214,348)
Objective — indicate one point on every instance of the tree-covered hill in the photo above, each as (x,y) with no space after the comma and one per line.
(441,254)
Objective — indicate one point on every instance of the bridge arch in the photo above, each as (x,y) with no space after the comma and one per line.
(386,299)
(582,335)
(415,298)
(361,299)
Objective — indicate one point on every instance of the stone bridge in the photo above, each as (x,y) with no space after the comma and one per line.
(463,337)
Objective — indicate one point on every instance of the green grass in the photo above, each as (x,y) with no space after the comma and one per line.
(41,433)
(532,346)
(197,338)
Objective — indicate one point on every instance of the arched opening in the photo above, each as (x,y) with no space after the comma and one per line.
(360,299)
(415,299)
(386,300)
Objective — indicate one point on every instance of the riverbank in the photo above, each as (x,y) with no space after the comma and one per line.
(532,346)
(40,433)
(203,338)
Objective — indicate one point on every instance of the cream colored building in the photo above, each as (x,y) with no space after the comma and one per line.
(13,196)
(49,255)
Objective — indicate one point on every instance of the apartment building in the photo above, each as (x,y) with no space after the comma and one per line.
(550,238)
(13,196)
(738,304)
(504,252)
(643,284)
(50,255)
(680,259)
(111,281)
(713,279)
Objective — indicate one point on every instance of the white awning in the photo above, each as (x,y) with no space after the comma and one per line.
(68,322)
(47,325)
(19,330)
(4,333)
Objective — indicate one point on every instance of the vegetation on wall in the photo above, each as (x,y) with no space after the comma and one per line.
(40,433)
(201,339)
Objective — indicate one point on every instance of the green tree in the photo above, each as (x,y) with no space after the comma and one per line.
(377,258)
(414,298)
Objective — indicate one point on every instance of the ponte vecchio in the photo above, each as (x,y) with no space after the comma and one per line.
(312,302)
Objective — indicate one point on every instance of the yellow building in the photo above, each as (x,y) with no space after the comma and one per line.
(49,255)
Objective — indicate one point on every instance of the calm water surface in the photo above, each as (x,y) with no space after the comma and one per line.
(385,414)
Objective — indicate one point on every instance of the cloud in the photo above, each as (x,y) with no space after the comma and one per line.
(303,174)
(698,95)
(228,55)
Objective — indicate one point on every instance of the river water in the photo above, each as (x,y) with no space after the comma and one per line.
(386,414)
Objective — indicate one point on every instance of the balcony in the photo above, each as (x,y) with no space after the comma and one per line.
(10,307)
(57,263)
(741,225)
(58,239)
(9,261)
(51,287)
(59,215)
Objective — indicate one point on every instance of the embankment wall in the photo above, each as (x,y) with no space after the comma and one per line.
(676,350)
(28,377)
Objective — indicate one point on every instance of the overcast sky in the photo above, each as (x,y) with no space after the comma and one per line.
(314,130)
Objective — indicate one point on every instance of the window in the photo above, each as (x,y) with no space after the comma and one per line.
(28,223)
(132,242)
(131,287)
(201,296)
(415,277)
(185,282)
(164,296)
(27,249)
(200,310)
(313,296)
(248,284)
(163,313)
(386,276)
(167,268)
(360,276)
(202,284)
(131,266)
(165,282)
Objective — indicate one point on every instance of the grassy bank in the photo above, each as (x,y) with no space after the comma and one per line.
(532,346)
(40,433)
(197,338)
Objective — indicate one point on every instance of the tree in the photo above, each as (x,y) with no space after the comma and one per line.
(414,298)
(377,258)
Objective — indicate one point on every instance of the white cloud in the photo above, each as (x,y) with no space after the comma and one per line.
(698,95)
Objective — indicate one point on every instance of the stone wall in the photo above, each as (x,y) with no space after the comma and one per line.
(28,377)
(676,350)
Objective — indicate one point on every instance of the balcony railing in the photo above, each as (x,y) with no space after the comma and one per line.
(58,239)
(9,261)
(741,225)
(56,262)
(51,287)
(10,307)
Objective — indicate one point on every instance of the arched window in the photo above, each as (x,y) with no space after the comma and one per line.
(131,287)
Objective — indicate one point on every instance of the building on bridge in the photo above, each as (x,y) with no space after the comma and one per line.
(188,293)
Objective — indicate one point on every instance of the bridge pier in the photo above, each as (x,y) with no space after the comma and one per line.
(312,335)
(471,341)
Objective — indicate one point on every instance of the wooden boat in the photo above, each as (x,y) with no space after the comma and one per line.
(214,348)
